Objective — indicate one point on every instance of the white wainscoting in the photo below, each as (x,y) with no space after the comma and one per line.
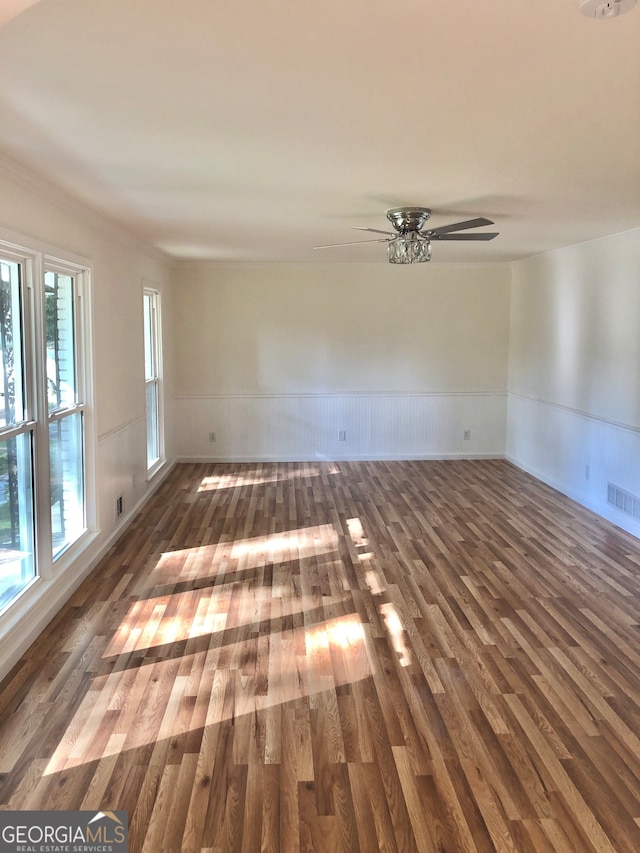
(122,473)
(120,470)
(309,427)
(576,454)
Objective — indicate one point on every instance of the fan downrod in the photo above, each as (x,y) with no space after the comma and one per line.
(406,219)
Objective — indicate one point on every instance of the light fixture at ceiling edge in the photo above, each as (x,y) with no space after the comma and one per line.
(409,248)
(605,8)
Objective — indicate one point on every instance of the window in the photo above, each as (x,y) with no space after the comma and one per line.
(42,415)
(152,378)
(65,408)
(17,440)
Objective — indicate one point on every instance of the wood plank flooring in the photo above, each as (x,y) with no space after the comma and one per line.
(408,657)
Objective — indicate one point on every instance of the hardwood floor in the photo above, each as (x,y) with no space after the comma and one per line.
(409,657)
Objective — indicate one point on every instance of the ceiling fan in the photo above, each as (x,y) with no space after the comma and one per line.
(410,244)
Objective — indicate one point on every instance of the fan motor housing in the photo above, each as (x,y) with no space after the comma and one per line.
(405,219)
(605,8)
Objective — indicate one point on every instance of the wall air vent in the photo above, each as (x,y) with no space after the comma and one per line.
(623,500)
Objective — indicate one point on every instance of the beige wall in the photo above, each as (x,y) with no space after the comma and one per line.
(38,217)
(575,338)
(332,329)
(574,374)
(118,266)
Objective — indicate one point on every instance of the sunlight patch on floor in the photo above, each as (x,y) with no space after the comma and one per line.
(166,699)
(234,480)
(302,542)
(396,631)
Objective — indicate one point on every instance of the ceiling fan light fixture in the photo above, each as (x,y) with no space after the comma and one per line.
(410,244)
(410,248)
(605,8)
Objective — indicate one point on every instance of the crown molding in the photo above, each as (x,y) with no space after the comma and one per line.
(12,8)
(51,193)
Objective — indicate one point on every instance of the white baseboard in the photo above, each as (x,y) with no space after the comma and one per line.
(576,454)
(344,458)
(24,621)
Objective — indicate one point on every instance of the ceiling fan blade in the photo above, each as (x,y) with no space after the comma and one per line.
(352,243)
(486,235)
(459,226)
(374,230)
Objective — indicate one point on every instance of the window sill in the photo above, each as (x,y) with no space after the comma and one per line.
(155,469)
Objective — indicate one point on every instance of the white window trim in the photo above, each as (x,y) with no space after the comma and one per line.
(149,290)
(81,273)
(35,257)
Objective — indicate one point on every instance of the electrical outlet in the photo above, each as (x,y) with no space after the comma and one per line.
(212,437)
(342,435)
(466,435)
(587,472)
(119,506)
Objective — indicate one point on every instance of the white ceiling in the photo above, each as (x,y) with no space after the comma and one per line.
(255,131)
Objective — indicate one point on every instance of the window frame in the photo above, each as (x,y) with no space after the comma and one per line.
(29,266)
(79,406)
(155,377)
(35,259)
